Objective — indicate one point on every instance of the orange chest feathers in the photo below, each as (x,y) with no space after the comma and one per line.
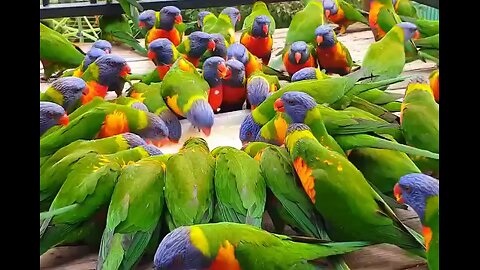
(225,258)
(257,46)
(115,123)
(172,35)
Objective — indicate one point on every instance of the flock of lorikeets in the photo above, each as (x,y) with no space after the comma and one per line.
(324,150)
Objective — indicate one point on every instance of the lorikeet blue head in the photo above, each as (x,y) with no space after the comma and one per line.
(298,52)
(173,125)
(295,104)
(51,114)
(235,73)
(139,106)
(248,130)
(176,251)
(409,30)
(214,70)
(169,16)
(220,46)
(152,150)
(160,51)
(200,42)
(414,189)
(201,116)
(155,131)
(147,19)
(325,36)
(71,89)
(330,7)
(234,15)
(306,73)
(133,139)
(239,52)
(258,90)
(92,55)
(200,17)
(103,45)
(112,68)
(260,27)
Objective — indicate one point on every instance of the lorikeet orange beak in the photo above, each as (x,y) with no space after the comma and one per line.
(265,29)
(397,192)
(319,40)
(207,131)
(141,24)
(298,56)
(252,107)
(159,143)
(178,19)
(278,105)
(416,35)
(151,55)
(223,71)
(327,13)
(125,71)
(63,120)
(211,45)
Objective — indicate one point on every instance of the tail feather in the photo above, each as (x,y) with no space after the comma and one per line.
(348,142)
(54,235)
(374,109)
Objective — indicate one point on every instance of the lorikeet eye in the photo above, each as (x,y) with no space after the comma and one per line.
(290,102)
(249,133)
(407,189)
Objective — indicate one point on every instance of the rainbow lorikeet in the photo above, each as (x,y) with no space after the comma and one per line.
(236,246)
(240,189)
(302,108)
(303,24)
(57,53)
(343,13)
(224,24)
(434,80)
(129,224)
(249,129)
(102,45)
(426,28)
(87,189)
(66,92)
(258,29)
(115,28)
(332,55)
(252,64)
(297,56)
(405,8)
(107,73)
(308,73)
(186,94)
(419,120)
(51,114)
(151,96)
(168,24)
(189,187)
(201,15)
(147,20)
(131,102)
(105,120)
(55,169)
(214,71)
(351,208)
(421,192)
(92,55)
(195,45)
(234,91)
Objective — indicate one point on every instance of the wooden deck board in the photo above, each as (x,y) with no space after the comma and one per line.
(376,257)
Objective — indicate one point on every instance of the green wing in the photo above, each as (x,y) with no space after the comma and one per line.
(304,23)
(239,187)
(351,13)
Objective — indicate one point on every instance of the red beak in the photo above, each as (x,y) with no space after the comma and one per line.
(159,143)
(178,19)
(125,71)
(327,13)
(228,74)
(265,29)
(278,105)
(207,131)
(397,192)
(141,24)
(252,107)
(211,45)
(298,56)
(319,40)
(152,55)
(223,70)
(239,17)
(416,35)
(63,120)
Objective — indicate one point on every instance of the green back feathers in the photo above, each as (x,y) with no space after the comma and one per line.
(259,8)
(304,23)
